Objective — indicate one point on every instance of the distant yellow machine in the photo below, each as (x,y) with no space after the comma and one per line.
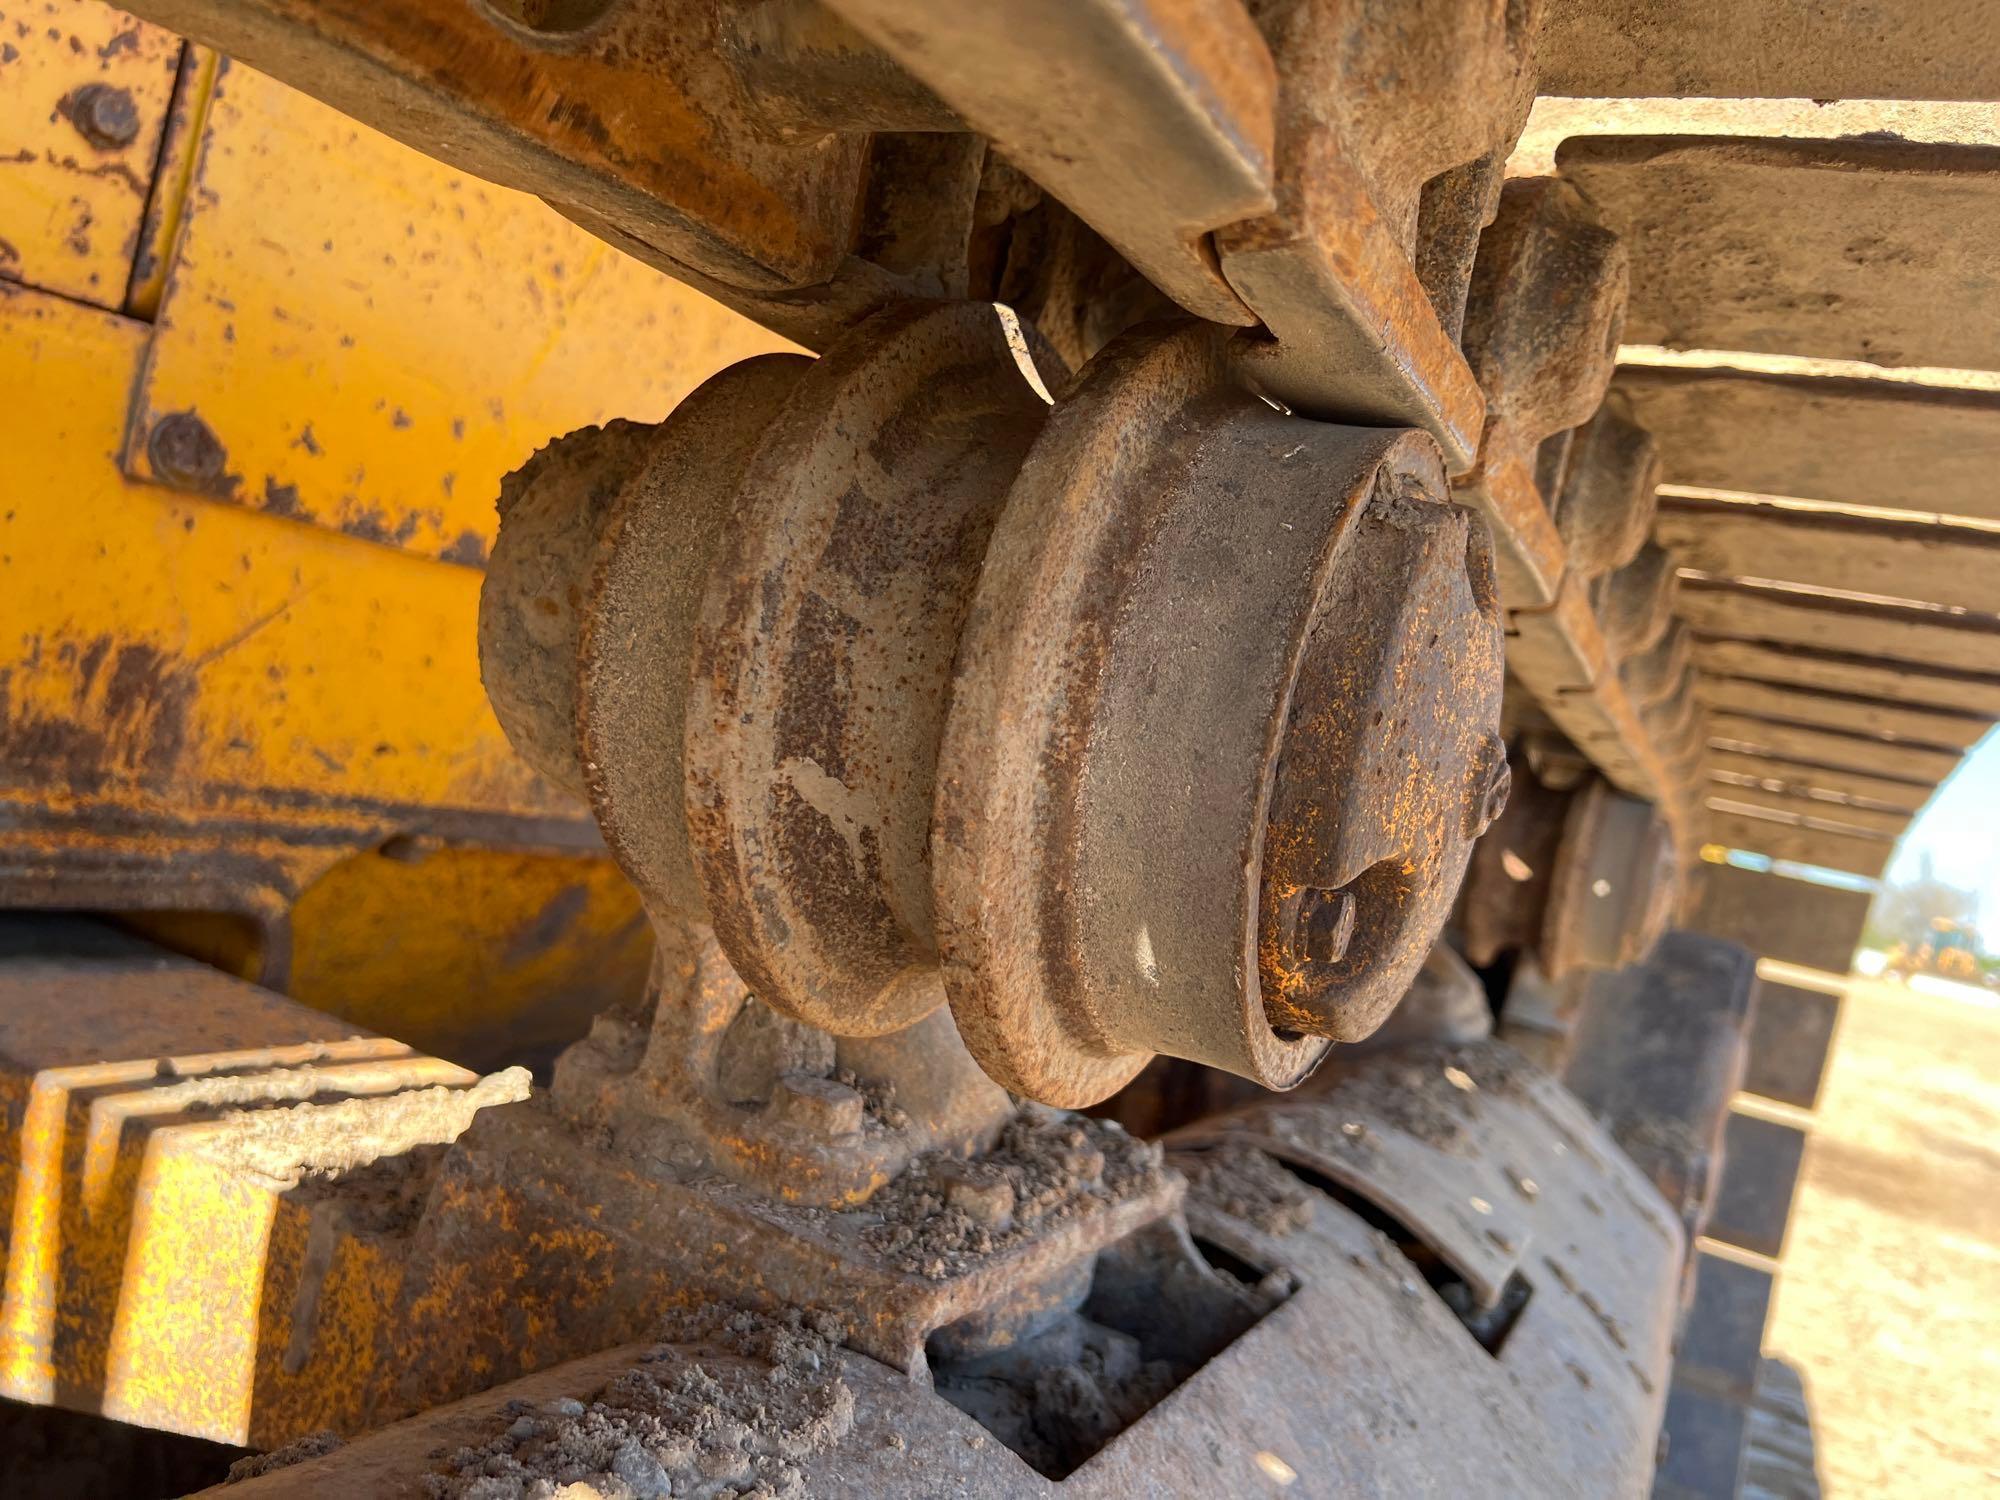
(264,369)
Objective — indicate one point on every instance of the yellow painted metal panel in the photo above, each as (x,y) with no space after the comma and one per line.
(83,97)
(376,339)
(165,653)
(535,945)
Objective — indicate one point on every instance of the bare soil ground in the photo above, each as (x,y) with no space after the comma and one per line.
(1889,1294)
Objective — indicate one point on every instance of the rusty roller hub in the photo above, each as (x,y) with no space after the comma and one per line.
(1585,877)
(1159,721)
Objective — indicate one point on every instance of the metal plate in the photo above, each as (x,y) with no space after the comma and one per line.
(1868,250)
(199,689)
(324,337)
(1923,637)
(1775,49)
(1787,804)
(1950,565)
(1797,921)
(1860,715)
(1735,769)
(1362,1382)
(1922,764)
(79,164)
(1860,442)
(1827,847)
(1760,1173)
(1852,672)
(1791,1034)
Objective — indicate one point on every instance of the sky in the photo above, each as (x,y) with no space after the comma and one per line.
(1960,829)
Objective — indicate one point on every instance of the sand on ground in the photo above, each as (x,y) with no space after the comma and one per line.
(1888,1297)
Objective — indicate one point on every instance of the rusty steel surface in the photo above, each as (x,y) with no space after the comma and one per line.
(770,1102)
(1896,559)
(1886,443)
(1916,635)
(1560,1398)
(1859,673)
(1778,49)
(1102,619)
(1887,822)
(1611,477)
(637,122)
(1947,728)
(1543,313)
(1039,78)
(170,1133)
(854,842)
(823,659)
(1865,250)
(1776,773)
(1922,765)
(1389,140)
(1614,887)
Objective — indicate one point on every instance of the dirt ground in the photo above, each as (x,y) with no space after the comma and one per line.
(1889,1291)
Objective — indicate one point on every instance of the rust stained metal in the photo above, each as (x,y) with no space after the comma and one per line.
(1563,654)
(1077,92)
(1111,654)
(1857,672)
(1604,510)
(1566,1407)
(1615,884)
(1857,249)
(162,1117)
(1923,765)
(1919,636)
(823,659)
(1794,778)
(1944,727)
(1820,437)
(1781,49)
(588,609)
(1914,559)
(808,71)
(1635,604)
(840,516)
(1542,327)
(638,120)
(1389,137)
(769,1102)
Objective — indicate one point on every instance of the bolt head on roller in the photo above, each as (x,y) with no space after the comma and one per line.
(1223,728)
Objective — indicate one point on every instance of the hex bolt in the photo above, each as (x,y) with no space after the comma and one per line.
(819,1105)
(185,452)
(104,115)
(1493,796)
(1322,925)
(983,1197)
